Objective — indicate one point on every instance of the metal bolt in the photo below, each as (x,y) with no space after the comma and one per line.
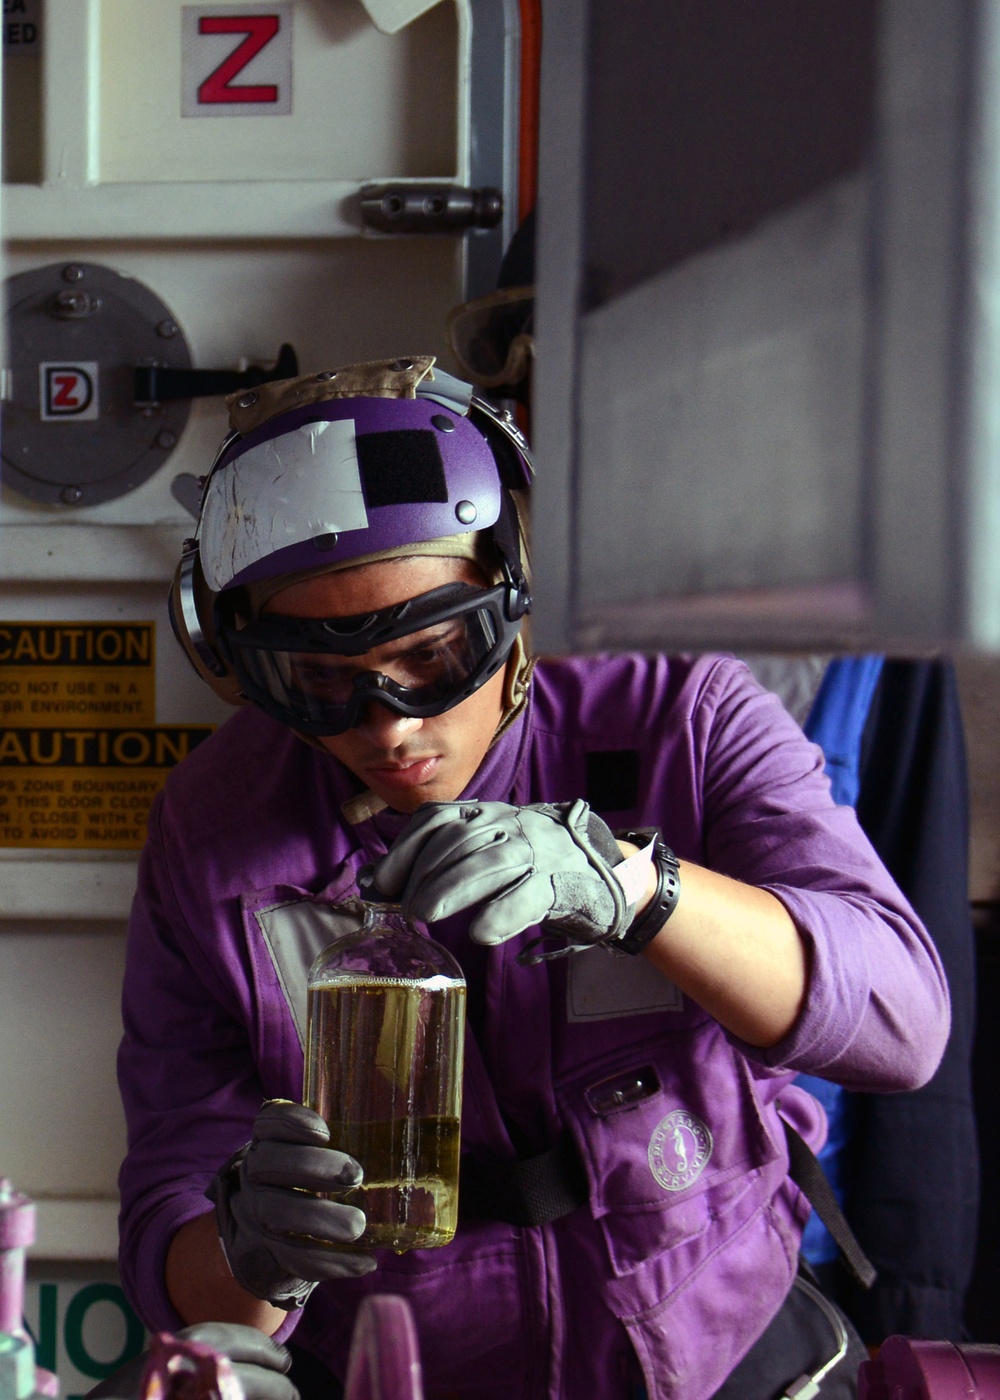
(443,424)
(466,512)
(401,365)
(74,306)
(71,495)
(166,439)
(247,401)
(326,374)
(167,329)
(325,541)
(72,272)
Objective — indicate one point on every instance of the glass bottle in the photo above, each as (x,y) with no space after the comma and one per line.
(384,1069)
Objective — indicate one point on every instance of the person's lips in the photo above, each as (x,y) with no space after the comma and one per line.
(405,773)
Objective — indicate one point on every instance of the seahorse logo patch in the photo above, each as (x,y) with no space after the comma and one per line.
(679,1150)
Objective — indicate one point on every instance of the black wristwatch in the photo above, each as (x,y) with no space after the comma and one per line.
(642,930)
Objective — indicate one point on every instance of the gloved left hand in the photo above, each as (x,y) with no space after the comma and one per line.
(549,864)
(260,1364)
(273,1209)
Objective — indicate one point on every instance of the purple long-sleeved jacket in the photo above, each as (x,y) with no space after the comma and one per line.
(688,1244)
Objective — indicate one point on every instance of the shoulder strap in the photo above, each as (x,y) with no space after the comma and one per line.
(805,1170)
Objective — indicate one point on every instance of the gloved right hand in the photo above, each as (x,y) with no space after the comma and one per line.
(271,1224)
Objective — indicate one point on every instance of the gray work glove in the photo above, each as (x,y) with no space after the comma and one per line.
(548,864)
(271,1224)
(260,1364)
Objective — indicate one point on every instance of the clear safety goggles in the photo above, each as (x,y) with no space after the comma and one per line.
(492,337)
(419,658)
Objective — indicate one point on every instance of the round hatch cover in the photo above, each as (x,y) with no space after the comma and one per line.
(73,433)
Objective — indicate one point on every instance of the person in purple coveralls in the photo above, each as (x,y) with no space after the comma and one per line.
(660,913)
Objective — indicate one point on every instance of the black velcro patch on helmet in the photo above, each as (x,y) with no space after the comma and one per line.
(613,780)
(401,468)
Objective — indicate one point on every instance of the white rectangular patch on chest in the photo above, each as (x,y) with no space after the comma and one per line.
(295,934)
(601,985)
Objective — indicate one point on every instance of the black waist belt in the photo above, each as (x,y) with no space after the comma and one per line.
(540,1189)
(529,1192)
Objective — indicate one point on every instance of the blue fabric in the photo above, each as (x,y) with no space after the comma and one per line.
(837,722)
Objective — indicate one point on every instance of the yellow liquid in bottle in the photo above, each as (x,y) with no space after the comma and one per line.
(383,1068)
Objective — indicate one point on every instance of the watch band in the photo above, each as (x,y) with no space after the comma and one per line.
(642,930)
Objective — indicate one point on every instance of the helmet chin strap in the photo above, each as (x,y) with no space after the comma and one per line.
(516,685)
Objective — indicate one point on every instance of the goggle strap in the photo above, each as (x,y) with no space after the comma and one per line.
(507,537)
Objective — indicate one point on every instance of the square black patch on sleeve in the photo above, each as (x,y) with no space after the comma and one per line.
(400,468)
(613,780)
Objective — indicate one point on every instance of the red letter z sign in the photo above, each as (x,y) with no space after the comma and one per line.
(259,31)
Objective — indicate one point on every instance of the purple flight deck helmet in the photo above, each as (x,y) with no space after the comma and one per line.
(336,468)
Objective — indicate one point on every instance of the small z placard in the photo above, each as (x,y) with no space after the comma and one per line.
(236,61)
(68,392)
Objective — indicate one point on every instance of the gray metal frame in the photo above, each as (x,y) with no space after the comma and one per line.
(558,260)
(911,303)
(495,101)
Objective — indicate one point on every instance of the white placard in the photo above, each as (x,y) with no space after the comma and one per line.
(236,61)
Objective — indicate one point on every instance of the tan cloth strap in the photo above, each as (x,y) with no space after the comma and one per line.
(378,379)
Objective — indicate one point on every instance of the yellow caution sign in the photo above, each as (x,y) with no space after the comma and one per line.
(81,754)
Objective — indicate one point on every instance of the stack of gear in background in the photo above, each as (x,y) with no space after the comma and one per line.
(891,733)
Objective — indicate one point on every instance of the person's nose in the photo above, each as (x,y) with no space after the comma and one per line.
(386,728)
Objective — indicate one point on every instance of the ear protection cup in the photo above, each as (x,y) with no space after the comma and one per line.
(190,606)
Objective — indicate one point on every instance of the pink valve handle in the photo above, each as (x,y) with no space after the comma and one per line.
(17,1232)
(911,1370)
(183,1370)
(384,1363)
